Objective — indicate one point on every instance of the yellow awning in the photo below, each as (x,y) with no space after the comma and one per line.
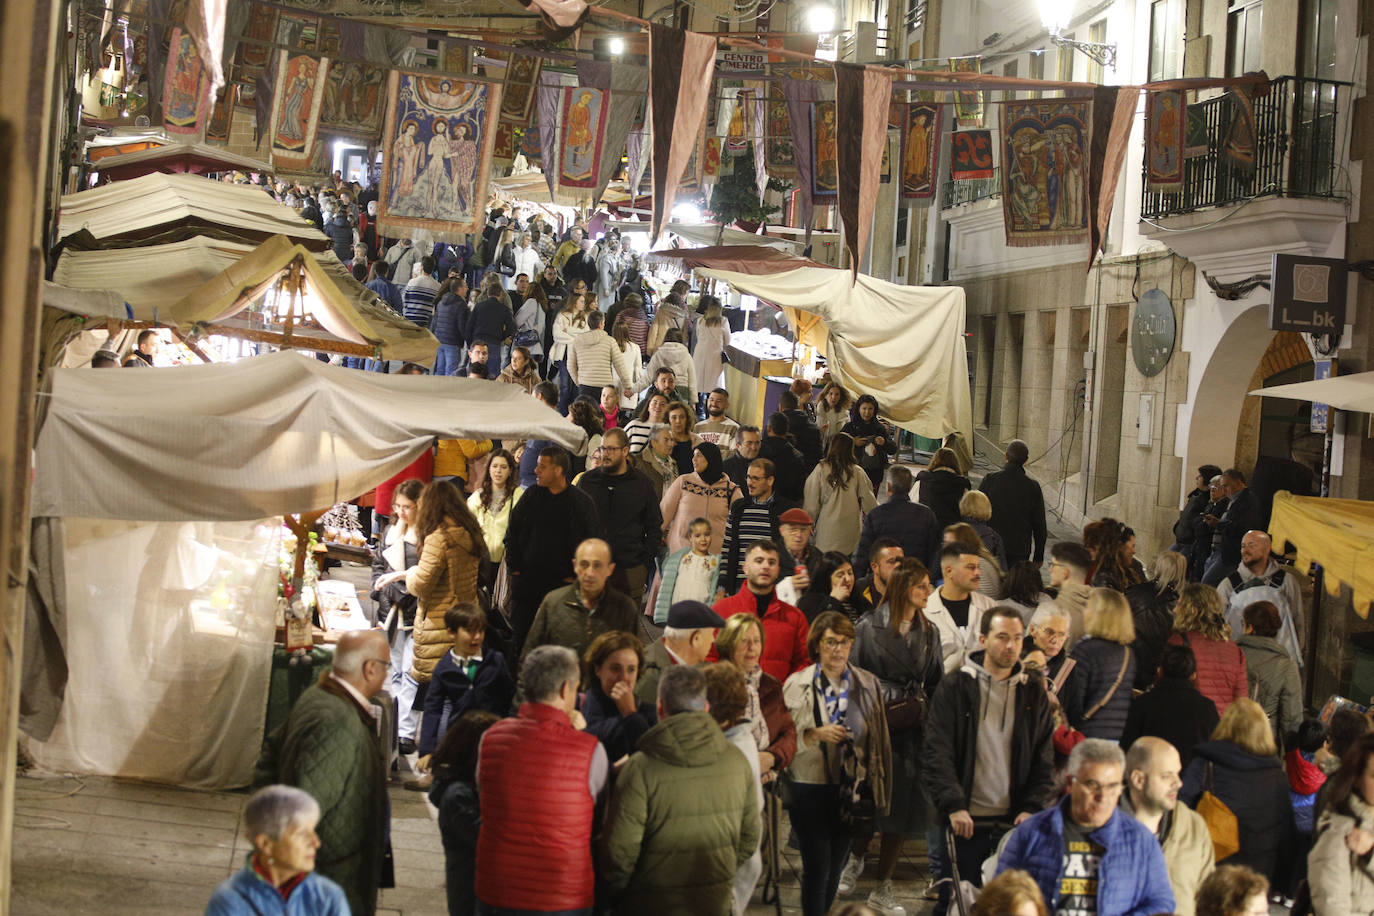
(1337,533)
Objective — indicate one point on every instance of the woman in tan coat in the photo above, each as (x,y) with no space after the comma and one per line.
(451,554)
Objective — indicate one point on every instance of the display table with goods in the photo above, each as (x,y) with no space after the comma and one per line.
(761,367)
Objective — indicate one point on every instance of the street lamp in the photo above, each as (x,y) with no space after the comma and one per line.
(820,18)
(1054,15)
(616,46)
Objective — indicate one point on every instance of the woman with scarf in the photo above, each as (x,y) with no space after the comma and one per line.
(873,440)
(705,492)
(843,750)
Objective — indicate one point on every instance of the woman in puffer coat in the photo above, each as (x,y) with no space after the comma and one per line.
(451,553)
(1200,624)
(1339,870)
(1097,695)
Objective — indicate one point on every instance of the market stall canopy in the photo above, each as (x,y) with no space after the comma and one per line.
(264,436)
(710,234)
(902,344)
(88,303)
(166,284)
(533,187)
(1346,392)
(1337,533)
(193,158)
(144,208)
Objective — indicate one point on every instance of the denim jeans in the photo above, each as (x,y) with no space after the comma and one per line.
(567,391)
(824,841)
(403,687)
(446,359)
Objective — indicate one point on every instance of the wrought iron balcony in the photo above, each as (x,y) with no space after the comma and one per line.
(1300,131)
(969,190)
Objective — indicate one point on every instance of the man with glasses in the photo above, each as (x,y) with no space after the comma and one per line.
(988,761)
(1088,855)
(748,439)
(1069,564)
(328,747)
(627,505)
(756,516)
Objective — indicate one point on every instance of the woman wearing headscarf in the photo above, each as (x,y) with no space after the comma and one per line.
(706,492)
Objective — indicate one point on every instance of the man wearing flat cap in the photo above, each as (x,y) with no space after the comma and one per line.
(687,639)
(796,527)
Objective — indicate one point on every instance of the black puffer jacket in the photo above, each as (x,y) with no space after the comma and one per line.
(941,491)
(1256,791)
(340,236)
(1152,611)
(1097,662)
(1184,532)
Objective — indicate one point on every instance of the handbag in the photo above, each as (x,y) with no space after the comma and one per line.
(1111,692)
(907,711)
(1221,821)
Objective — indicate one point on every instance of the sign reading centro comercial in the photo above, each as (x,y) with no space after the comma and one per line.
(1307,294)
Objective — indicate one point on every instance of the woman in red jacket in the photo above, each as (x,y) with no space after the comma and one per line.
(1200,624)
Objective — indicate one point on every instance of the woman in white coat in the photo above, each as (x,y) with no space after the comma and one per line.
(527,261)
(1338,867)
(713,336)
(629,397)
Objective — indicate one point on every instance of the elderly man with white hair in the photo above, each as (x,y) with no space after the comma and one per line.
(279,876)
(328,747)
(1088,855)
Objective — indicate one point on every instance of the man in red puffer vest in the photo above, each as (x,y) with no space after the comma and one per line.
(534,850)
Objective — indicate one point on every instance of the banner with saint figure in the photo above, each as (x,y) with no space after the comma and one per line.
(438,144)
(296,109)
(186,93)
(1045,172)
(1166,118)
(920,150)
(517,99)
(353,99)
(584,133)
(825,156)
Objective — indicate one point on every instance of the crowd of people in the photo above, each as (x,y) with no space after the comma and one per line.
(875,651)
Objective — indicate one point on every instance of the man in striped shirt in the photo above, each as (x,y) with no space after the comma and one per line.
(421,293)
(751,519)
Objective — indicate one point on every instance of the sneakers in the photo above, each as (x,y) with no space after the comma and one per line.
(885,901)
(932,889)
(850,876)
(406,746)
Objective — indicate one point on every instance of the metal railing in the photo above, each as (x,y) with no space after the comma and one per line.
(969,190)
(1297,139)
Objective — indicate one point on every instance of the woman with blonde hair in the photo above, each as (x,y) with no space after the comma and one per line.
(975,509)
(1241,768)
(1152,606)
(713,336)
(990,581)
(740,642)
(1012,893)
(1200,624)
(942,486)
(571,322)
(1097,695)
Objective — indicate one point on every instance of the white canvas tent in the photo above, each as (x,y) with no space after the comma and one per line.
(156,542)
(1345,392)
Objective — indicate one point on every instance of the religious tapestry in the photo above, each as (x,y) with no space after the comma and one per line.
(1045,172)
(780,153)
(825,157)
(920,150)
(968,103)
(1238,148)
(254,53)
(896,112)
(711,168)
(353,99)
(504,147)
(584,133)
(186,94)
(517,99)
(1164,125)
(1195,141)
(222,115)
(296,109)
(438,144)
(970,154)
(456,57)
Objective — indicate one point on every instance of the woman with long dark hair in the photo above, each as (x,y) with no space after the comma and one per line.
(832,411)
(571,322)
(874,442)
(1106,540)
(455,795)
(492,502)
(586,413)
(942,486)
(838,496)
(831,588)
(1338,869)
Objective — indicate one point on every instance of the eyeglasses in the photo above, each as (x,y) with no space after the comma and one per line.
(833,644)
(1098,788)
(384,662)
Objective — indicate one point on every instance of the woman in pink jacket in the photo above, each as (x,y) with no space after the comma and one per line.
(707,492)
(1200,624)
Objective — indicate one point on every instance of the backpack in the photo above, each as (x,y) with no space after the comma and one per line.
(1269,589)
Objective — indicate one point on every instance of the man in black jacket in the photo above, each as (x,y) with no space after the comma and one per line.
(1018,508)
(988,761)
(789,465)
(752,518)
(1173,709)
(803,428)
(910,524)
(747,442)
(628,507)
(1242,514)
(490,320)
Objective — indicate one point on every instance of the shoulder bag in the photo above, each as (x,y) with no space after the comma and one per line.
(1111,692)
(1221,821)
(909,710)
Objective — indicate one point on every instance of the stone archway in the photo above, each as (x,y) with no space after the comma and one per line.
(1219,402)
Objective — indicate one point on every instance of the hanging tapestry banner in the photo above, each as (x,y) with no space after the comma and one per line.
(517,99)
(970,154)
(504,148)
(1195,132)
(222,116)
(1044,172)
(920,150)
(679,90)
(800,95)
(780,155)
(438,145)
(186,93)
(353,99)
(968,103)
(1239,146)
(862,102)
(1113,113)
(1165,121)
(253,58)
(584,132)
(637,148)
(296,110)
(711,168)
(531,146)
(825,156)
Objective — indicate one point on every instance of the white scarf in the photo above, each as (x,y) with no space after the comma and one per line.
(758,727)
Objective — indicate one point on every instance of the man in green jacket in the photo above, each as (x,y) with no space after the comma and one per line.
(329,748)
(686,796)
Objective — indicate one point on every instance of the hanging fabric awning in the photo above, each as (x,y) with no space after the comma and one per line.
(1345,392)
(1337,533)
(902,344)
(192,158)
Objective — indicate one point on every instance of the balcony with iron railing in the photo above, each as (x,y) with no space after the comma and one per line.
(970,190)
(1299,139)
